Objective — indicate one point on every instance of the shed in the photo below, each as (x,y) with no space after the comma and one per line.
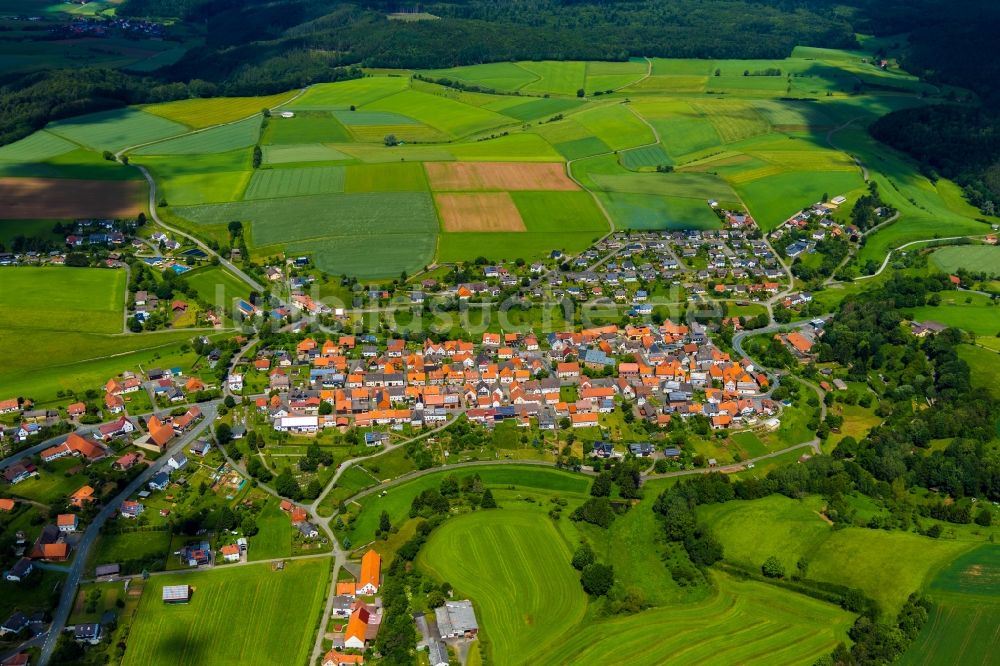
(176,594)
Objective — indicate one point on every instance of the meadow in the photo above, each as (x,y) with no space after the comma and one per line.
(886,566)
(274,538)
(743,622)
(250,597)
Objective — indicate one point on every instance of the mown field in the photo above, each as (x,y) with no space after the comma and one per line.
(515,567)
(973,258)
(231,616)
(88,300)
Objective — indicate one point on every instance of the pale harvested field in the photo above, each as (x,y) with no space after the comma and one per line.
(45,198)
(511,176)
(479,212)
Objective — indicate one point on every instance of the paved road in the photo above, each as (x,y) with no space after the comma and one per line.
(61,614)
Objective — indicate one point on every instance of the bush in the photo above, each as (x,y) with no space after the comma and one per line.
(597,579)
(773,568)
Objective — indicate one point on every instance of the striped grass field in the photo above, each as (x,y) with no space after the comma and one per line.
(515,567)
(223,139)
(273,183)
(233,617)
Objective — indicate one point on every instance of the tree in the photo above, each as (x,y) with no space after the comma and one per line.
(223,433)
(229,402)
(984,517)
(773,568)
(235,228)
(384,524)
(583,557)
(287,485)
(248,526)
(602,485)
(488,502)
(391,140)
(581,92)
(257,157)
(597,579)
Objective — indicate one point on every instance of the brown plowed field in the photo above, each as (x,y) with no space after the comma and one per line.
(511,176)
(55,198)
(479,212)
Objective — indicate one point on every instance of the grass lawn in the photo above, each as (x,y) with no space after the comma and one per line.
(110,593)
(971,312)
(217,286)
(53,482)
(112,548)
(231,617)
(515,567)
(743,622)
(984,366)
(275,536)
(62,299)
(42,595)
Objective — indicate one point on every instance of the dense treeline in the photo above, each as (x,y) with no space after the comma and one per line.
(927,395)
(958,142)
(948,43)
(29,102)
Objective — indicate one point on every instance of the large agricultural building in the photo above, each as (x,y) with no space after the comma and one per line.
(176,594)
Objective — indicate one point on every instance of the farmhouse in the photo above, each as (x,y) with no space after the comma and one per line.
(18,472)
(363,626)
(334,658)
(371,573)
(131,509)
(82,496)
(67,522)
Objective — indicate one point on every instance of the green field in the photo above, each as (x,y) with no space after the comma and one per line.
(737,137)
(222,139)
(397,500)
(515,567)
(275,536)
(274,183)
(115,130)
(984,367)
(378,234)
(89,300)
(198,113)
(962,628)
(887,566)
(217,286)
(202,632)
(744,622)
(972,312)
(974,258)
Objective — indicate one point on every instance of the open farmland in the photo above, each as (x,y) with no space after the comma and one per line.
(973,258)
(115,130)
(515,567)
(201,632)
(198,113)
(750,146)
(471,176)
(478,212)
(886,566)
(42,198)
(63,299)
(965,613)
(744,622)
(222,139)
